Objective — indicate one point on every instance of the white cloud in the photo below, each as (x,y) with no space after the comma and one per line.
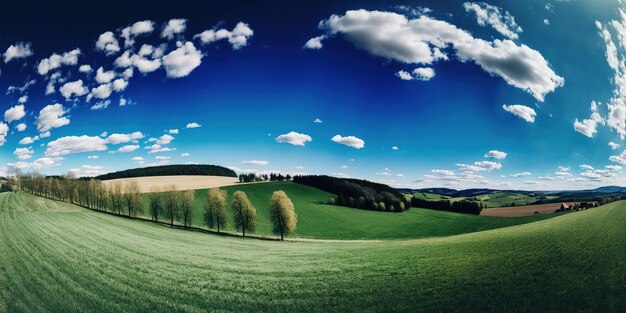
(614,145)
(238,37)
(85,68)
(420,73)
(103,77)
(51,116)
(315,42)
(20,127)
(546,21)
(4,130)
(184,155)
(74,88)
(19,50)
(41,163)
(173,131)
(45,134)
(161,157)
(138,159)
(522,174)
(145,65)
(120,84)
(588,127)
(173,27)
(501,21)
(75,144)
(23,153)
(394,148)
(88,171)
(294,138)
(22,99)
(480,166)
(404,75)
(102,91)
(124,60)
(93,157)
(128,148)
(28,140)
(495,154)
(349,141)
(164,140)
(101,105)
(107,43)
(55,61)
(15,113)
(193,125)
(586,167)
(182,61)
(139,28)
(526,113)
(422,41)
(256,162)
(115,139)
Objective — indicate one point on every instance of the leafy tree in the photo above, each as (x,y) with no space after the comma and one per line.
(132,197)
(186,204)
(282,214)
(244,213)
(215,211)
(156,205)
(171,203)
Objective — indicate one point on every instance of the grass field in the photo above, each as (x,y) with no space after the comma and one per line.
(491,200)
(58,257)
(318,220)
(523,210)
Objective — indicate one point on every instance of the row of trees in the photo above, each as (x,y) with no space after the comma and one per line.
(169,204)
(467,207)
(357,193)
(252,177)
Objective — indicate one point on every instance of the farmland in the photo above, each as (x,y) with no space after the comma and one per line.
(523,210)
(60,257)
(182,182)
(318,220)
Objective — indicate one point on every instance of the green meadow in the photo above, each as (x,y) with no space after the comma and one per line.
(57,257)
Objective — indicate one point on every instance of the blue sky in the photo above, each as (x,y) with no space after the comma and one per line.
(256,77)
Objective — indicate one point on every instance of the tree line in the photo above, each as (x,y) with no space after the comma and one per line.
(467,207)
(357,193)
(252,177)
(165,206)
(165,170)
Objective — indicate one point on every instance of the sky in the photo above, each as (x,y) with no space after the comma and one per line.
(498,94)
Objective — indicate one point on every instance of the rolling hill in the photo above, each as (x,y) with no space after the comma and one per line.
(58,257)
(318,220)
(171,170)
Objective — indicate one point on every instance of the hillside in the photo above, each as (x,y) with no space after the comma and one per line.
(61,258)
(319,220)
(171,170)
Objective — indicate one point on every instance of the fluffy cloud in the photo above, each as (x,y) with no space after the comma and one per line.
(15,113)
(238,37)
(423,40)
(495,154)
(315,42)
(55,61)
(184,155)
(103,77)
(139,28)
(128,148)
(349,141)
(294,138)
(480,166)
(145,65)
(526,113)
(41,163)
(107,43)
(51,116)
(75,144)
(173,131)
(614,145)
(85,68)
(102,91)
(588,127)
(183,60)
(420,73)
(119,84)
(193,125)
(164,140)
(20,127)
(74,88)
(586,167)
(91,157)
(88,171)
(115,139)
(19,50)
(491,15)
(256,162)
(28,140)
(394,148)
(4,130)
(23,153)
(522,174)
(173,27)
(101,105)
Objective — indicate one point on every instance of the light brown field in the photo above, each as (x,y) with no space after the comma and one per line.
(159,183)
(524,210)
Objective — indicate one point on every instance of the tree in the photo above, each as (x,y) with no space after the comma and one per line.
(156,204)
(381,206)
(282,214)
(171,203)
(186,204)
(132,197)
(244,213)
(215,211)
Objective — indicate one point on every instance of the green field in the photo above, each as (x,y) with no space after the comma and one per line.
(491,200)
(318,220)
(57,257)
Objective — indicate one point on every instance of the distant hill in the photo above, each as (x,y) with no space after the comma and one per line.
(171,170)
